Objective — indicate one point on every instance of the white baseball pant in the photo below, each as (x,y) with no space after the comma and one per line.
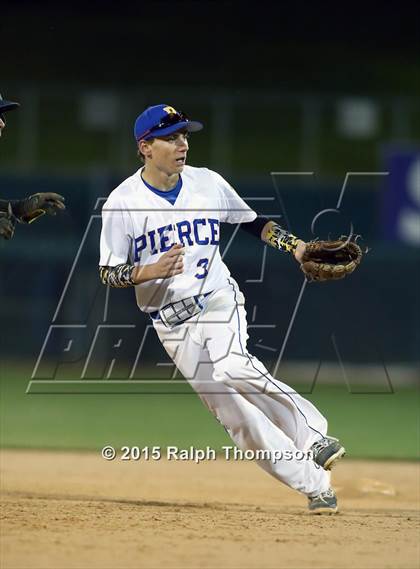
(258,411)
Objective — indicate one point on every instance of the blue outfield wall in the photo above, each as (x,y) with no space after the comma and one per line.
(372,316)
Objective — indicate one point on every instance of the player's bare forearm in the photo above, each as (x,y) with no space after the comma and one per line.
(300,251)
(146,273)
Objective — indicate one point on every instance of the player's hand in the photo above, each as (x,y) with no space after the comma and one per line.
(7,224)
(171,263)
(29,209)
(300,250)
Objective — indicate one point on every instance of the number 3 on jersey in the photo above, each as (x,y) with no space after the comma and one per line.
(203,264)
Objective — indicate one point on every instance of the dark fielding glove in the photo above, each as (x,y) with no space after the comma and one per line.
(29,209)
(7,224)
(330,260)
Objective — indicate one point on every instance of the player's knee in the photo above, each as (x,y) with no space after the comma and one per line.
(233,367)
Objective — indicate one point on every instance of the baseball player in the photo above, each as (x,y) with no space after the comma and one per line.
(28,209)
(160,234)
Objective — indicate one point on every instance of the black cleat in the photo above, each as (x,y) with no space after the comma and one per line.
(327,451)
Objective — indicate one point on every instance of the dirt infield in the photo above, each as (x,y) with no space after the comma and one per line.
(76,510)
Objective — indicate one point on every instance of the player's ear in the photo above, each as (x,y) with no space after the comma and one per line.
(144,148)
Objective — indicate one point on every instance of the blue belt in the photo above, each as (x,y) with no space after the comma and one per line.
(155,314)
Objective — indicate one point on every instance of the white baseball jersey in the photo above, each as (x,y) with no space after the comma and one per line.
(138,226)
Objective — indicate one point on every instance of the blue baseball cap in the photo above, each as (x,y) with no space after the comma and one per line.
(161,120)
(7,105)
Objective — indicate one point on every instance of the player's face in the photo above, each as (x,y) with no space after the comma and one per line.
(169,153)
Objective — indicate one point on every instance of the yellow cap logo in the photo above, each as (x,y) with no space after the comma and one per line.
(170,110)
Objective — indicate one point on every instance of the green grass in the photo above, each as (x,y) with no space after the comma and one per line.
(375,425)
(370,425)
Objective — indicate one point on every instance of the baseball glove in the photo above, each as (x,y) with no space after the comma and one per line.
(29,209)
(330,260)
